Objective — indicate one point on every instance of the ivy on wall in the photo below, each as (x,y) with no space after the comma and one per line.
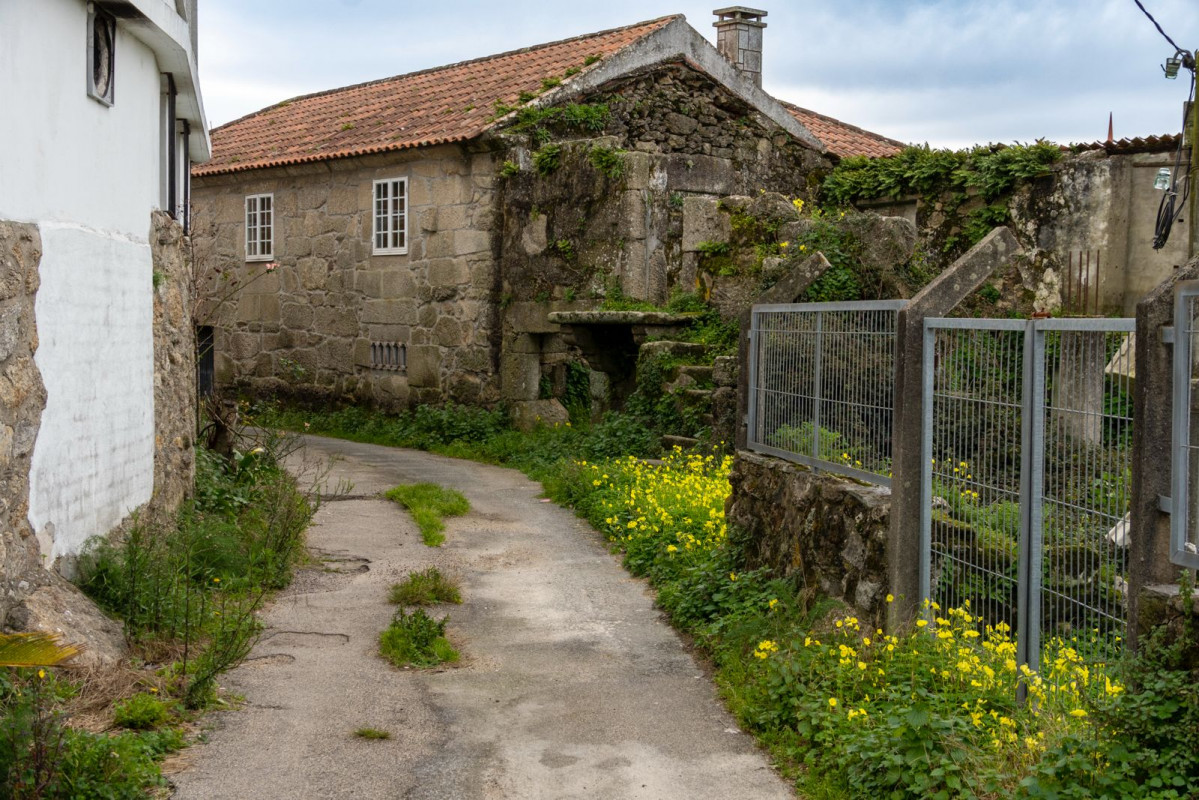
(991,170)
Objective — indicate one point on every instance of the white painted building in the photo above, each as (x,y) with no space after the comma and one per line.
(100,115)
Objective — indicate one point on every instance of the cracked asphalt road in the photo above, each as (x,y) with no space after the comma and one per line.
(571,684)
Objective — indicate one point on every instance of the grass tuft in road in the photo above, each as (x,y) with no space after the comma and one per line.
(425,588)
(416,640)
(429,504)
(372,733)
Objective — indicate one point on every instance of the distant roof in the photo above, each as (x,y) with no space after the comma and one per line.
(454,103)
(1139,144)
(842,139)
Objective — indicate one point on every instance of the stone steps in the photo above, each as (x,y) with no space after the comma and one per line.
(669,348)
(700,373)
(682,442)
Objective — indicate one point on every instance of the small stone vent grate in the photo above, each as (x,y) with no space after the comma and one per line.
(391,356)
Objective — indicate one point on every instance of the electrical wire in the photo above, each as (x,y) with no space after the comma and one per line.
(1167,210)
(1159,27)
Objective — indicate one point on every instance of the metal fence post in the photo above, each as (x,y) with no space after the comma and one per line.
(752,399)
(937,299)
(1032,476)
(817,394)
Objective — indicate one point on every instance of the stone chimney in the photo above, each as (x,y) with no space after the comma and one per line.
(739,39)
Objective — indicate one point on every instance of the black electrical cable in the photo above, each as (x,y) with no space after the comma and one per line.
(1167,211)
(1159,27)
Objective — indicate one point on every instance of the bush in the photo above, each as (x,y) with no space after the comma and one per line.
(417,640)
(140,712)
(41,758)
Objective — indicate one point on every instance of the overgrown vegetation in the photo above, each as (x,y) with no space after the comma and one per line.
(850,711)
(187,591)
(609,161)
(415,639)
(542,124)
(425,588)
(474,433)
(194,587)
(991,170)
(429,505)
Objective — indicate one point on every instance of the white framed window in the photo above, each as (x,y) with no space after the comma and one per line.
(391,217)
(260,227)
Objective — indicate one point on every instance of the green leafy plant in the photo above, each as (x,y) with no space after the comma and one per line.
(509,169)
(429,504)
(143,711)
(592,59)
(416,639)
(608,161)
(547,159)
(425,588)
(550,83)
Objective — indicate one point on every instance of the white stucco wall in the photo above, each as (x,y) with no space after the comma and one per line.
(88,175)
(94,459)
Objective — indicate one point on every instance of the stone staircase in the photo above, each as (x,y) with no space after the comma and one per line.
(709,388)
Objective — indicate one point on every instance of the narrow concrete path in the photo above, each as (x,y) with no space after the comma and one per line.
(571,684)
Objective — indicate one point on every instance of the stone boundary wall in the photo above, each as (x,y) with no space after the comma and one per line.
(174,366)
(22,400)
(820,530)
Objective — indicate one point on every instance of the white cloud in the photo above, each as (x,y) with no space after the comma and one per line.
(951,72)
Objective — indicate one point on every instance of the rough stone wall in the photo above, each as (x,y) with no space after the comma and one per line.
(22,399)
(174,366)
(570,236)
(306,327)
(1100,205)
(824,532)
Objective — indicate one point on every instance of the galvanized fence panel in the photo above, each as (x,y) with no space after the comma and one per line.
(971,525)
(821,385)
(1184,500)
(1027,462)
(1083,495)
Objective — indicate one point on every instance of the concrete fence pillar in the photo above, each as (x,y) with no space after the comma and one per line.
(964,277)
(1149,563)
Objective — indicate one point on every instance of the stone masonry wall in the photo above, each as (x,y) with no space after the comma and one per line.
(570,236)
(22,400)
(823,531)
(307,326)
(174,366)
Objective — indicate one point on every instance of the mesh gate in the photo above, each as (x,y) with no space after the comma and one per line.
(1027,464)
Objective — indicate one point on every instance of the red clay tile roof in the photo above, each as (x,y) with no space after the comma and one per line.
(1147,144)
(435,106)
(842,139)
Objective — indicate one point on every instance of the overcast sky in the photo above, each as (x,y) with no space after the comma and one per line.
(948,72)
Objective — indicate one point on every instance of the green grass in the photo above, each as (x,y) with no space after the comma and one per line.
(416,639)
(425,588)
(372,733)
(429,504)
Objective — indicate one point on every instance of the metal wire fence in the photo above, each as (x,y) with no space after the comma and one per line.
(821,384)
(1027,444)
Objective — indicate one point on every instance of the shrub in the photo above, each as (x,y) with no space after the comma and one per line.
(424,588)
(416,639)
(140,712)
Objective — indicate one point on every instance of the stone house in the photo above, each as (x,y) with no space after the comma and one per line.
(96,338)
(426,226)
